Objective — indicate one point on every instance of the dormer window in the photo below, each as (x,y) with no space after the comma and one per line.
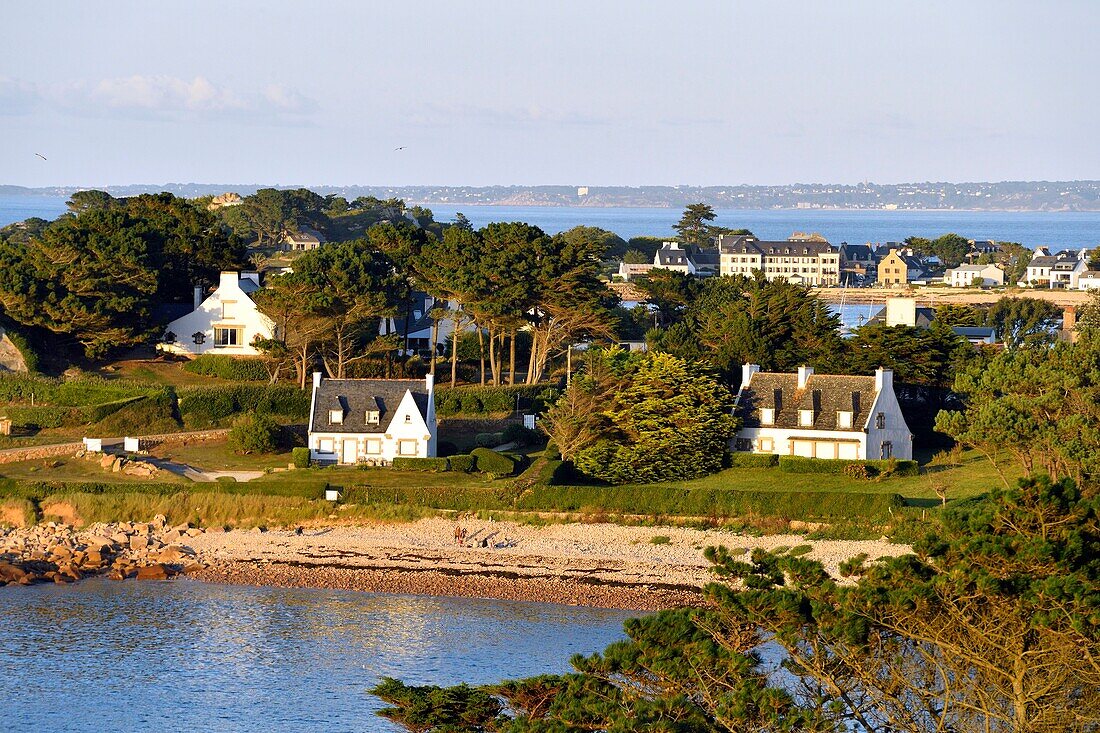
(806,418)
(336,417)
(767,416)
(844,419)
(372,417)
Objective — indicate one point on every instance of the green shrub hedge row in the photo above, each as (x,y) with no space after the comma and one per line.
(497,464)
(753,460)
(888,467)
(407,463)
(458,498)
(709,502)
(462,464)
(39,490)
(83,392)
(228,367)
(58,417)
(482,400)
(202,407)
(299,456)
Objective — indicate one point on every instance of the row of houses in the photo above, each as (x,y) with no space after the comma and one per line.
(374,421)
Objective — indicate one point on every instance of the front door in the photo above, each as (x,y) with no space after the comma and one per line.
(350,450)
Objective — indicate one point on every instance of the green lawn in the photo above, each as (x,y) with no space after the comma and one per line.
(218,456)
(68,468)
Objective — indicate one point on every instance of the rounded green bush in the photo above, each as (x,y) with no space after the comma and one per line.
(255,434)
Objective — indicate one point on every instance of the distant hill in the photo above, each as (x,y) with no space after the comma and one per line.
(1003,196)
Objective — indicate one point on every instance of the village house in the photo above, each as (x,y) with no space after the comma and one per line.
(419,328)
(689,259)
(303,240)
(630,270)
(965,276)
(897,269)
(225,322)
(858,264)
(1089,280)
(803,262)
(906,312)
(821,415)
(371,421)
(1061,270)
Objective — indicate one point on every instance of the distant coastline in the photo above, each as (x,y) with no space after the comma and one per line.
(1005,196)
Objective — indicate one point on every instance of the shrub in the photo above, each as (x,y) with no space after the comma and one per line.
(463,463)
(660,539)
(854,565)
(300,457)
(228,367)
(798,464)
(489,440)
(474,400)
(753,460)
(470,403)
(207,406)
(521,435)
(552,453)
(254,434)
(448,403)
(491,462)
(406,463)
(858,471)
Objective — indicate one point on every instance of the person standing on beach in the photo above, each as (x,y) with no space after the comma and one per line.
(458,534)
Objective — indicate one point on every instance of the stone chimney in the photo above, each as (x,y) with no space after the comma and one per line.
(804,374)
(747,370)
(884,379)
(1069,324)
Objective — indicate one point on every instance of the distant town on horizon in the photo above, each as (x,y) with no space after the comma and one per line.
(998,196)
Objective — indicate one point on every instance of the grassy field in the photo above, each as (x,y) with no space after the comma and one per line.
(155,372)
(68,468)
(218,456)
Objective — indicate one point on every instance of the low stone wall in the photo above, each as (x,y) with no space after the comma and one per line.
(35,452)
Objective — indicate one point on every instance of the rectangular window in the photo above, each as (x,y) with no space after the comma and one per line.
(844,419)
(880,420)
(408,418)
(326,445)
(887,449)
(374,446)
(767,416)
(742,444)
(227,336)
(767,445)
(229,309)
(806,418)
(336,417)
(372,417)
(406,447)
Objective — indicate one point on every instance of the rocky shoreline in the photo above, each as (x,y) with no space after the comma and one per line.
(464,585)
(61,553)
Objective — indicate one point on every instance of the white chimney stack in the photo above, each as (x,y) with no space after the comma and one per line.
(198,296)
(429,382)
(747,370)
(884,380)
(804,373)
(316,379)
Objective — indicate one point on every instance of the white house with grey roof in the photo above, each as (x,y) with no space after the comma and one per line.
(371,421)
(821,415)
(226,321)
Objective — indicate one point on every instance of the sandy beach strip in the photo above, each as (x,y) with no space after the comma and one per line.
(602,565)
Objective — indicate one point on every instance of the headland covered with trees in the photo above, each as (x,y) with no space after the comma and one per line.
(991,623)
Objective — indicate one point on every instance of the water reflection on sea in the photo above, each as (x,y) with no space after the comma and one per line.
(187,656)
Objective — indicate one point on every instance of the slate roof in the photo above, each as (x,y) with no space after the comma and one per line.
(826,394)
(969,332)
(744,244)
(857,253)
(1042,261)
(356,396)
(304,234)
(669,256)
(924,317)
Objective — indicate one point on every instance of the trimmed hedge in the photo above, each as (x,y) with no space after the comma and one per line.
(462,463)
(753,460)
(483,400)
(888,467)
(305,489)
(488,440)
(667,500)
(458,498)
(299,455)
(489,461)
(228,367)
(208,406)
(407,463)
(39,490)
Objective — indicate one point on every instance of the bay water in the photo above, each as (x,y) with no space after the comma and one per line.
(1058,230)
(183,655)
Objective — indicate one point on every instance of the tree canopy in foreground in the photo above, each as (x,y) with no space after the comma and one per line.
(993,624)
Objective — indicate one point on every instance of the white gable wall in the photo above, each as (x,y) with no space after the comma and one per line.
(227,307)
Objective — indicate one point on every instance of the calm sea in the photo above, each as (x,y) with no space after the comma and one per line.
(99,655)
(1056,230)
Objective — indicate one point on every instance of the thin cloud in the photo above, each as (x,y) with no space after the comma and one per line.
(155,97)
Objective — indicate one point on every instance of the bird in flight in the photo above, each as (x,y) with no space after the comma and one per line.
(401,148)
(40,155)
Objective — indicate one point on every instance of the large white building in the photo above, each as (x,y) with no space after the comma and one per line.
(225,322)
(821,415)
(371,421)
(802,262)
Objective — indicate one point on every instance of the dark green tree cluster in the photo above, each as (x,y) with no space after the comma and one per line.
(642,417)
(96,274)
(992,625)
(511,276)
(951,249)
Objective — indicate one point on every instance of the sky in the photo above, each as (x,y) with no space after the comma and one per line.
(526,93)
